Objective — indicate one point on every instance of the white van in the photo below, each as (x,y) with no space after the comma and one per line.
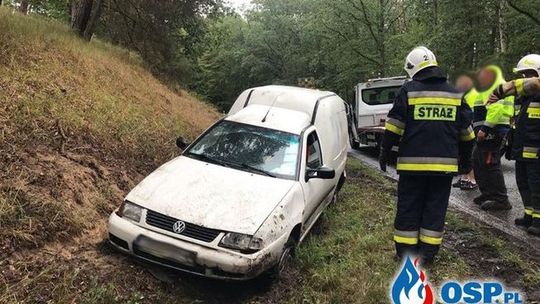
(373,101)
(245,193)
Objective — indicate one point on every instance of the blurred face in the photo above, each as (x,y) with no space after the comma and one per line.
(464,83)
(486,78)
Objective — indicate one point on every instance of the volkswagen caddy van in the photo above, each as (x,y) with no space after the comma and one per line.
(243,195)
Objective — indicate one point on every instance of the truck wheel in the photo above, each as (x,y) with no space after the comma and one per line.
(284,261)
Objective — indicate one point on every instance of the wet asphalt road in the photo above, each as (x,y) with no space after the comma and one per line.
(462,201)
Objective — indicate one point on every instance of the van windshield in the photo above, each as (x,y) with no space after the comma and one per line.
(249,148)
(379,96)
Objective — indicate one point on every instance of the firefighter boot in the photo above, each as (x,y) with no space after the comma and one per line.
(535,227)
(479,200)
(496,205)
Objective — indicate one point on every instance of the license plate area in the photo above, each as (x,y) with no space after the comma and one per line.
(165,251)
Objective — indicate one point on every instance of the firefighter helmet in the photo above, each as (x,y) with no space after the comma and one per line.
(529,63)
(418,59)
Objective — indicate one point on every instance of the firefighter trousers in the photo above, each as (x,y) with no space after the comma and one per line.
(488,172)
(528,182)
(421,211)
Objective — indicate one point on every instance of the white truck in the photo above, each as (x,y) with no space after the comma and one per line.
(373,101)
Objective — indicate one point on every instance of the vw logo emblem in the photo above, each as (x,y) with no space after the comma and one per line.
(179,227)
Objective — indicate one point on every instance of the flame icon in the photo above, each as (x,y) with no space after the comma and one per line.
(410,286)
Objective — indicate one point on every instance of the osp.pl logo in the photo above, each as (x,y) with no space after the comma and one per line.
(410,287)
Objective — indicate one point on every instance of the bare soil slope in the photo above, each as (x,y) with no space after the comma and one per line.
(80,124)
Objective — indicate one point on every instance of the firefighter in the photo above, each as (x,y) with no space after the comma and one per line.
(431,124)
(519,87)
(492,125)
(465,84)
(526,148)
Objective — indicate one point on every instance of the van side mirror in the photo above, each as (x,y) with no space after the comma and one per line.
(182,143)
(322,173)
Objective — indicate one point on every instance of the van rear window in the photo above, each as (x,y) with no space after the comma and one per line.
(379,96)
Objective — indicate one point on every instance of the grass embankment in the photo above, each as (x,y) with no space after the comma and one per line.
(348,258)
(79,123)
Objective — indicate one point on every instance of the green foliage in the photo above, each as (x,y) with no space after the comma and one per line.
(218,53)
(343,42)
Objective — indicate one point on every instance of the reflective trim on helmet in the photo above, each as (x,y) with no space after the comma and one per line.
(427,63)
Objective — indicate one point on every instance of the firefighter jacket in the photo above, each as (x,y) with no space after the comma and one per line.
(430,122)
(526,145)
(495,116)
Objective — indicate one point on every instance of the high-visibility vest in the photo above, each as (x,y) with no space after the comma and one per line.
(470,97)
(495,114)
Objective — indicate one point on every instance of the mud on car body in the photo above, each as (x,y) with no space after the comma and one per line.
(241,197)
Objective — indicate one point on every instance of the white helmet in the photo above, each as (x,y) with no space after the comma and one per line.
(527,63)
(418,59)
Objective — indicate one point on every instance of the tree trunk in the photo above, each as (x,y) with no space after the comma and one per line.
(93,21)
(23,8)
(502,42)
(81,10)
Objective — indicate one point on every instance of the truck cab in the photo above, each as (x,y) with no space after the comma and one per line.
(373,101)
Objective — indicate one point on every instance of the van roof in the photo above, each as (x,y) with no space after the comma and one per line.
(289,109)
(280,119)
(292,98)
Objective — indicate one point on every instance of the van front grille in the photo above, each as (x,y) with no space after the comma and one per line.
(165,222)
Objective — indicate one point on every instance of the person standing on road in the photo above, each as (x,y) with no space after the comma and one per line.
(526,148)
(491,124)
(465,84)
(431,124)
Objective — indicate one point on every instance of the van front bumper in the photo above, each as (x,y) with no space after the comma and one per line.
(209,261)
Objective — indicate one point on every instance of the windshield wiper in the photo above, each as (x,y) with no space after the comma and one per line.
(209,159)
(254,169)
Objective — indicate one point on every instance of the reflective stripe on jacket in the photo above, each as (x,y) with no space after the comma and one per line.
(526,145)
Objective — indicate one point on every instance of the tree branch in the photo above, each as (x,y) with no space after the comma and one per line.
(523,12)
(347,39)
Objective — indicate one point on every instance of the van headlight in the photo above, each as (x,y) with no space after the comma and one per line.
(130,211)
(243,242)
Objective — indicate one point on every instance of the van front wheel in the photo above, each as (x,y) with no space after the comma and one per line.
(285,259)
